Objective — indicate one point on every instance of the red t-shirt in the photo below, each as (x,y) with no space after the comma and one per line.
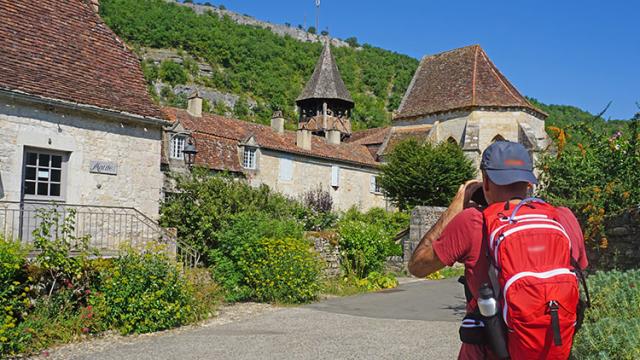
(461,241)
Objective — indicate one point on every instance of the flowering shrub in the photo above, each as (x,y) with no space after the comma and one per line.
(596,178)
(254,261)
(363,247)
(142,293)
(281,270)
(13,292)
(611,329)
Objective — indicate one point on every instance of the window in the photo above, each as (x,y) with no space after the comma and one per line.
(43,174)
(177,145)
(375,185)
(286,169)
(249,158)
(335,176)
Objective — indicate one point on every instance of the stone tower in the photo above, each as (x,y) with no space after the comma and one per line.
(325,103)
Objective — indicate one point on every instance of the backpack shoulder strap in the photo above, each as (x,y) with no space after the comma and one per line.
(493,272)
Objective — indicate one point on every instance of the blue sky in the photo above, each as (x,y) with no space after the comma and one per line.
(583,53)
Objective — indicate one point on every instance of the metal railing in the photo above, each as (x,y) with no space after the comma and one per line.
(108,227)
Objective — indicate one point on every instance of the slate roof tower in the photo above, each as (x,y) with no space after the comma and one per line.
(325,103)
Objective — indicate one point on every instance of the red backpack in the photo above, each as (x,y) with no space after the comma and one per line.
(535,276)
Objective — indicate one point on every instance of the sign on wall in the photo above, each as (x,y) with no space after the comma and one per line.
(103,167)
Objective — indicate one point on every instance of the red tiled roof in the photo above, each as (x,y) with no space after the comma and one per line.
(369,136)
(217,140)
(62,50)
(459,79)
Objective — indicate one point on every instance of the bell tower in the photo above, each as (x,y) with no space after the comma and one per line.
(325,104)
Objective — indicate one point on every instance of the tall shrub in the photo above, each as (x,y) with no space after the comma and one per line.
(13,293)
(596,178)
(424,174)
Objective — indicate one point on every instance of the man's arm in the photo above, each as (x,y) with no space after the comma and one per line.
(424,260)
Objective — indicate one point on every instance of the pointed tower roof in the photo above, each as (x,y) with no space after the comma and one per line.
(326,82)
(462,78)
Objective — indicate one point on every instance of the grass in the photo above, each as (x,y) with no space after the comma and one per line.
(447,273)
(611,329)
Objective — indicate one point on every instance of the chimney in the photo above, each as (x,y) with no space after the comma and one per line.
(194,105)
(333,137)
(303,139)
(277,122)
(95,4)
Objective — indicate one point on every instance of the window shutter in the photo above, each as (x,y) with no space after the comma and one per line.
(335,176)
(286,169)
(372,184)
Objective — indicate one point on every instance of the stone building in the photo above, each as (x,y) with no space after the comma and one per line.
(322,153)
(461,96)
(78,126)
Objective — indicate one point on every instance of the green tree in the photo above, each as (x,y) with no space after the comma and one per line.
(172,72)
(352,41)
(241,108)
(311,30)
(424,174)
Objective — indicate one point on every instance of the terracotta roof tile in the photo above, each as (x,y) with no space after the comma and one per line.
(369,136)
(228,133)
(459,79)
(62,50)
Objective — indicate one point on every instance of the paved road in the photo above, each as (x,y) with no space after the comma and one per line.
(418,320)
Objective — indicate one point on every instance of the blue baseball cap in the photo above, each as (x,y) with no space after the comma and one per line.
(507,162)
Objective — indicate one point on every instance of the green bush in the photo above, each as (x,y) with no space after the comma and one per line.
(366,239)
(363,247)
(203,205)
(612,325)
(13,293)
(281,270)
(420,173)
(245,230)
(142,293)
(172,72)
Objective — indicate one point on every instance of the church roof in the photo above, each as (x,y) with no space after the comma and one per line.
(463,78)
(62,50)
(326,82)
(218,137)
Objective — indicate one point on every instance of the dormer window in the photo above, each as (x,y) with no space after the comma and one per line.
(177,146)
(249,158)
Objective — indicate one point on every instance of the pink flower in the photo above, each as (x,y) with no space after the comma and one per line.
(85,330)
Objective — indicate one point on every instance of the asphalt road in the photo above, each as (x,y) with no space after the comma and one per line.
(417,320)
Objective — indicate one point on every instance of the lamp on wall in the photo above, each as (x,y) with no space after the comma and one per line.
(190,153)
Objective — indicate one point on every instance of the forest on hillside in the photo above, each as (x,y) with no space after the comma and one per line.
(258,65)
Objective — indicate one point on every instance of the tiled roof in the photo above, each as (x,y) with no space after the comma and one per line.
(217,140)
(401,133)
(369,136)
(62,50)
(463,78)
(326,82)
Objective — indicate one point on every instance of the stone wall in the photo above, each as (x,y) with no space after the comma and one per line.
(354,184)
(623,243)
(326,244)
(82,138)
(422,219)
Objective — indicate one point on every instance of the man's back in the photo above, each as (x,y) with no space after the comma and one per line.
(462,241)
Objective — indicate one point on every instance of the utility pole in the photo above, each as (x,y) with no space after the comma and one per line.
(318,16)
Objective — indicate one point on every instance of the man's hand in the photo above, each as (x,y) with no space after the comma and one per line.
(424,260)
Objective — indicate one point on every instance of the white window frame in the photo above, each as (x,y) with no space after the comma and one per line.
(249,158)
(48,180)
(374,186)
(177,146)
(286,169)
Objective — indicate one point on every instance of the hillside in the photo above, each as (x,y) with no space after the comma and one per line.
(252,62)
(246,68)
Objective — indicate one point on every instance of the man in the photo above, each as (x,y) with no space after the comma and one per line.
(507,175)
